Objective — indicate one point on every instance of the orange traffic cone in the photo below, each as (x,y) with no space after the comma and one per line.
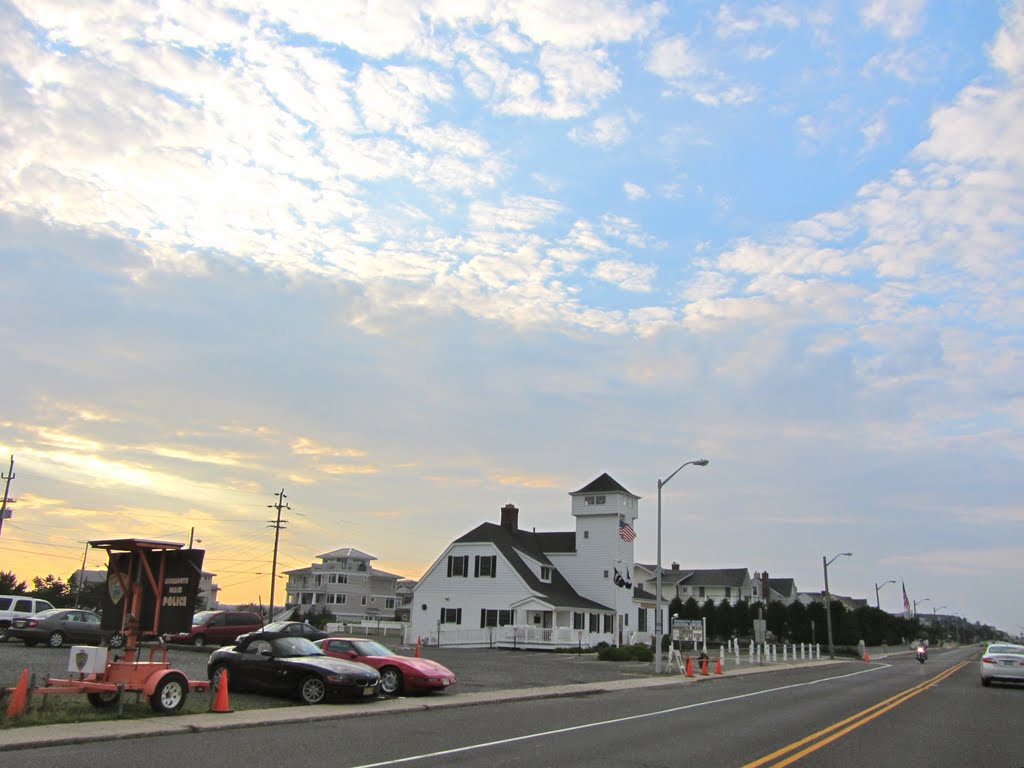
(19,701)
(417,647)
(867,656)
(220,700)
(704,665)
(689,667)
(718,666)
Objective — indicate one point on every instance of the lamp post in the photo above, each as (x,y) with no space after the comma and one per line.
(657,609)
(918,602)
(828,600)
(935,620)
(878,587)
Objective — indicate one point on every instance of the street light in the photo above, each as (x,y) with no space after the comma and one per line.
(828,600)
(878,587)
(918,602)
(657,609)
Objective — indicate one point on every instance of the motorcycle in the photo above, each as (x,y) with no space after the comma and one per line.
(922,653)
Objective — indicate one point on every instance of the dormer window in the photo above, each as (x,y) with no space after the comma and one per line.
(545,573)
(592,500)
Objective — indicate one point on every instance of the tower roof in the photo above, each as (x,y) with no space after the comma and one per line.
(604,484)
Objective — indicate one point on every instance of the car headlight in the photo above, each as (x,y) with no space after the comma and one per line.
(339,679)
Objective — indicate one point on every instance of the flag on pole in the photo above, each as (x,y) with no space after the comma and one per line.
(906,600)
(626,533)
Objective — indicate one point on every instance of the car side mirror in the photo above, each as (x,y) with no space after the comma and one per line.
(267,652)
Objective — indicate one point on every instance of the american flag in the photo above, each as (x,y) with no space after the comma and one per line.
(906,600)
(626,533)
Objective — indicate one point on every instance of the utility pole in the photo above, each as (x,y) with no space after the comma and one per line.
(81,578)
(276,525)
(3,507)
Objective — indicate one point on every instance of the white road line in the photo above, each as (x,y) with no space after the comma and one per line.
(541,734)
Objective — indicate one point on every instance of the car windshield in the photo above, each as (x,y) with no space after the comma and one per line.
(1006,649)
(202,617)
(371,648)
(277,626)
(47,614)
(295,646)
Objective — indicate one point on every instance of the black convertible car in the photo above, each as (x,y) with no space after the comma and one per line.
(273,662)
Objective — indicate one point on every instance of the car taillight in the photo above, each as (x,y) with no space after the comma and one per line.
(31,623)
(987,660)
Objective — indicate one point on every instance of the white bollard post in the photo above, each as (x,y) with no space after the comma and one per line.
(784,655)
(737,650)
(751,651)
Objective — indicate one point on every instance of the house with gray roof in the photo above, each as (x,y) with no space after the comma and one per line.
(732,584)
(499,584)
(345,583)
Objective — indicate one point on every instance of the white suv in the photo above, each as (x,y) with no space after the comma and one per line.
(18,607)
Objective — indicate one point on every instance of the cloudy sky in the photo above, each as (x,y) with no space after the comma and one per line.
(412,261)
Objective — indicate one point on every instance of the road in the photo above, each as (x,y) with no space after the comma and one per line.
(893,712)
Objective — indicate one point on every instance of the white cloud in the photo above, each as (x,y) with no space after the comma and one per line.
(729,24)
(635,191)
(873,132)
(673,60)
(898,18)
(605,131)
(1007,51)
(627,275)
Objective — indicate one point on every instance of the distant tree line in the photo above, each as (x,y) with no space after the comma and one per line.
(799,623)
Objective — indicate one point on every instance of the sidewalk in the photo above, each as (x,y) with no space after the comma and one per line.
(32,737)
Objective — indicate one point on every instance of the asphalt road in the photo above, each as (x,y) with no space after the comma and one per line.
(892,712)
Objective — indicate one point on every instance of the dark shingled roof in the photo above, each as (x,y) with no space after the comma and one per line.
(782,586)
(604,484)
(716,577)
(558,592)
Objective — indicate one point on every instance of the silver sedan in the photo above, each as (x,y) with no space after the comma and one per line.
(1002,662)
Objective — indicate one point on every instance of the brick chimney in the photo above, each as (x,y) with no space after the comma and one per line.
(510,518)
(675,566)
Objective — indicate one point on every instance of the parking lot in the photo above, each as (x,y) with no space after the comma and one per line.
(477,669)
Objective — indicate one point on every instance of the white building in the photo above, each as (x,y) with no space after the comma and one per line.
(345,584)
(501,585)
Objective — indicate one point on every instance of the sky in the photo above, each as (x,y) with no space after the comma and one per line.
(411,261)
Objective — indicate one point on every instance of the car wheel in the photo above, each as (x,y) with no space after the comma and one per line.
(56,639)
(391,681)
(170,693)
(103,699)
(31,643)
(116,640)
(986,682)
(217,675)
(199,641)
(312,690)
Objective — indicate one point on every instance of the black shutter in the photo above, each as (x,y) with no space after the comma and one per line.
(442,615)
(476,567)
(458,611)
(449,566)
(465,566)
(483,617)
(494,565)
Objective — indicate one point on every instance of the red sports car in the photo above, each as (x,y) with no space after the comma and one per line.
(398,674)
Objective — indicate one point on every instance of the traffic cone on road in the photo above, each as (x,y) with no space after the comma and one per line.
(867,656)
(220,699)
(19,701)
(704,665)
(718,666)
(689,666)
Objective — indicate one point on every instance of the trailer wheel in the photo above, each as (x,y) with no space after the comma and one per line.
(103,699)
(170,693)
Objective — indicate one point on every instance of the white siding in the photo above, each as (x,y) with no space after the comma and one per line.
(471,593)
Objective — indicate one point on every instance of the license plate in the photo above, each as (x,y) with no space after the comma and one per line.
(368,692)
(1007,663)
(446,682)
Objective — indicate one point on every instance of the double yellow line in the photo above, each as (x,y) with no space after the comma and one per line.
(825,736)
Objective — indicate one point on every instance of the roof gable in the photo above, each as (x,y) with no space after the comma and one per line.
(349,552)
